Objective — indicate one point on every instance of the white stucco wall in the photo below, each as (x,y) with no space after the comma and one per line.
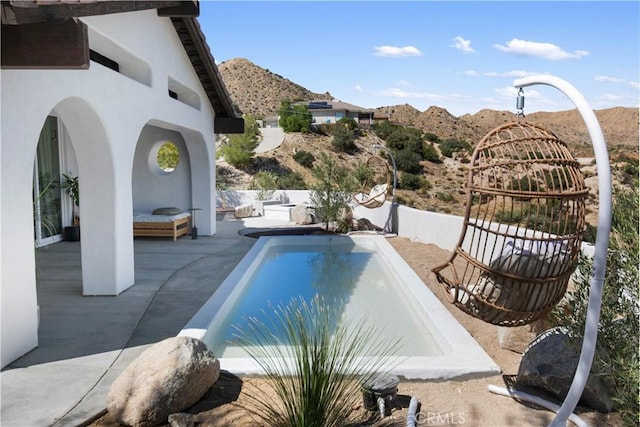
(104,114)
(153,188)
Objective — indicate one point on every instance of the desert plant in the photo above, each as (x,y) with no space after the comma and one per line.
(240,149)
(619,326)
(410,181)
(343,139)
(332,192)
(304,158)
(294,118)
(431,154)
(321,384)
(452,145)
(291,181)
(265,183)
(71,187)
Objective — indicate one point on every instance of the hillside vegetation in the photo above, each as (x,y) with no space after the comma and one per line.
(259,92)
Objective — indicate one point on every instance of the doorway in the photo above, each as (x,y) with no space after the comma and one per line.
(47,196)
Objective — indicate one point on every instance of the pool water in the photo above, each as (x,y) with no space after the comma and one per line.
(363,277)
(352,278)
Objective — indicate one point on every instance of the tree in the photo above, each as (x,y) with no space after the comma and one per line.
(240,149)
(332,193)
(168,156)
(294,118)
(343,139)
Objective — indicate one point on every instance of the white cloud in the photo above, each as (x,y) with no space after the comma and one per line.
(539,50)
(612,97)
(396,51)
(608,79)
(395,92)
(358,88)
(463,45)
(516,74)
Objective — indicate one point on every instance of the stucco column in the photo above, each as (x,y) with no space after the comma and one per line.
(202,156)
(19,316)
(104,149)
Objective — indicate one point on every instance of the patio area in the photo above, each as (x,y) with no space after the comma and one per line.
(85,342)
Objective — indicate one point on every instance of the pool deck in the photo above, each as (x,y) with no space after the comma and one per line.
(85,342)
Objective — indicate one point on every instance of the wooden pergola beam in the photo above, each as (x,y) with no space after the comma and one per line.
(18,12)
(59,44)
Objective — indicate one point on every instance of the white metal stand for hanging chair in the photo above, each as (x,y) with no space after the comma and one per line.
(390,225)
(581,375)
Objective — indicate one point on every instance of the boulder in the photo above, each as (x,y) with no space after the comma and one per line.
(550,363)
(303,215)
(517,339)
(243,211)
(168,377)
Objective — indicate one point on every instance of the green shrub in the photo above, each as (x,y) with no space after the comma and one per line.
(408,161)
(410,181)
(304,158)
(265,183)
(240,150)
(349,123)
(384,129)
(452,145)
(431,137)
(291,181)
(343,139)
(332,192)
(294,118)
(431,154)
(619,326)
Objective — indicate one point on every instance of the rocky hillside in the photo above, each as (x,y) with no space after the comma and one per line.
(258,91)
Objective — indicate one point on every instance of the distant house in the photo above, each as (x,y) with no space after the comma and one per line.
(331,111)
(95,88)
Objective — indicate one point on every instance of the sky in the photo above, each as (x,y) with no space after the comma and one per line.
(461,56)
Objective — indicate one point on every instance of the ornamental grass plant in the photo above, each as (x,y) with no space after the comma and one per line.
(314,365)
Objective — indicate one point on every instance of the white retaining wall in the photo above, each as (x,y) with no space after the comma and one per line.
(440,229)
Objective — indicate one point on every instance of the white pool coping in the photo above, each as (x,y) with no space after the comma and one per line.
(463,356)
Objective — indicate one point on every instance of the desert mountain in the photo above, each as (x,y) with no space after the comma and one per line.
(258,91)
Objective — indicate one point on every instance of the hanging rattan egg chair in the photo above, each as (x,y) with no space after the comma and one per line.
(523,227)
(375,187)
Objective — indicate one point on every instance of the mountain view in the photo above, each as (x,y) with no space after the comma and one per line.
(258,92)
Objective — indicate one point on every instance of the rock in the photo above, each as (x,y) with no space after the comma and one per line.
(181,419)
(517,339)
(303,215)
(243,211)
(550,363)
(168,377)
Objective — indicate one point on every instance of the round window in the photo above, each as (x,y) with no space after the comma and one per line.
(168,157)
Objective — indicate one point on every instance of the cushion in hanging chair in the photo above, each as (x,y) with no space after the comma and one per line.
(520,258)
(375,198)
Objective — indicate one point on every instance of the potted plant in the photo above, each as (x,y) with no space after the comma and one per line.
(72,189)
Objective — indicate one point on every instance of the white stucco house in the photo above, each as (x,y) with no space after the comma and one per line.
(94,89)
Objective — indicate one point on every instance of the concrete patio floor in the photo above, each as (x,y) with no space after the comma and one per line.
(85,342)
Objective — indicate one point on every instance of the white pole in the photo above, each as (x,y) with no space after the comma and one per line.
(601,245)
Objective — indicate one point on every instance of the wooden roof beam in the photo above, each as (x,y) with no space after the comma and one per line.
(17,12)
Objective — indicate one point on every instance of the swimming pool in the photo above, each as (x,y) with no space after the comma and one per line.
(371,281)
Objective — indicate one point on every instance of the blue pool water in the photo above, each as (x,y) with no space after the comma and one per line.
(365,278)
(353,278)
